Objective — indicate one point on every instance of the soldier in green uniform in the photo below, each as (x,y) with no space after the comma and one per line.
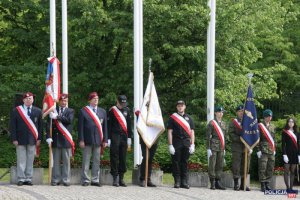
(238,149)
(266,152)
(215,144)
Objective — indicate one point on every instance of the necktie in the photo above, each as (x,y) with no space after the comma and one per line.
(61,110)
(28,111)
(94,109)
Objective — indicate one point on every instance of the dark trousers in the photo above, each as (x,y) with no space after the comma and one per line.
(118,152)
(152,151)
(180,162)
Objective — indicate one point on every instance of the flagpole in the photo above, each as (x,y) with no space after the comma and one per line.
(146,168)
(50,156)
(64,12)
(249,75)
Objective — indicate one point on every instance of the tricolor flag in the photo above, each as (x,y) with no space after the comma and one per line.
(150,122)
(250,132)
(52,92)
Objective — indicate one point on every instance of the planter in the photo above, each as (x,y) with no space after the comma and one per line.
(105,176)
(277,182)
(198,179)
(37,179)
(156,176)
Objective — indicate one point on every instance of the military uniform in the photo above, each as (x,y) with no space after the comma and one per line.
(20,132)
(119,140)
(181,142)
(61,147)
(238,154)
(267,160)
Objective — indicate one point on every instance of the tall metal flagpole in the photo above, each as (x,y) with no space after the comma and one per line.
(136,80)
(52,53)
(211,61)
(64,12)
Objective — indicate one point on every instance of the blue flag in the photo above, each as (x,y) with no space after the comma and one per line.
(250,132)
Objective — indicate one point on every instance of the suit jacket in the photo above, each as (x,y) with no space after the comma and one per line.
(20,132)
(87,128)
(66,118)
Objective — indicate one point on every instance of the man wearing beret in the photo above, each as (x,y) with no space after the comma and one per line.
(62,141)
(238,149)
(215,144)
(266,150)
(26,134)
(181,141)
(119,134)
(92,136)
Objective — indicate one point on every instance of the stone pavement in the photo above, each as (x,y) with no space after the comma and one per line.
(77,192)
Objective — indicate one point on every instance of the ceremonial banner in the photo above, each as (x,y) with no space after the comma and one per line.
(150,122)
(250,133)
(52,92)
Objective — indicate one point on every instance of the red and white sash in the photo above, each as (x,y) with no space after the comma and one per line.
(292,136)
(219,132)
(64,131)
(267,135)
(95,118)
(28,122)
(182,122)
(120,117)
(237,124)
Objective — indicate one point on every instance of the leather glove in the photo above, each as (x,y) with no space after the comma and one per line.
(171,149)
(49,141)
(192,148)
(108,143)
(53,115)
(285,159)
(128,141)
(259,154)
(209,153)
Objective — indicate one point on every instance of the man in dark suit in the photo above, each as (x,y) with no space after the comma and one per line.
(92,136)
(26,134)
(61,141)
(119,129)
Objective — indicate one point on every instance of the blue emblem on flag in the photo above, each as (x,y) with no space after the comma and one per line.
(250,132)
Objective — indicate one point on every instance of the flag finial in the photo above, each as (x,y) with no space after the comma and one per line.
(250,76)
(150,62)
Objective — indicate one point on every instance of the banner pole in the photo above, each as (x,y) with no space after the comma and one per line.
(146,168)
(245,169)
(50,156)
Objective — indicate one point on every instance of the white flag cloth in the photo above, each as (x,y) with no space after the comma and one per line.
(150,122)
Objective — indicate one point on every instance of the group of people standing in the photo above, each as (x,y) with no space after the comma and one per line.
(98,130)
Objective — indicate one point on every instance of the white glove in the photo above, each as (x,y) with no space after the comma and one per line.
(171,149)
(224,152)
(53,115)
(274,153)
(129,141)
(49,141)
(250,151)
(299,159)
(108,142)
(209,153)
(285,159)
(192,148)
(259,154)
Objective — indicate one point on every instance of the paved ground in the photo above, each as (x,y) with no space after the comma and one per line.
(45,192)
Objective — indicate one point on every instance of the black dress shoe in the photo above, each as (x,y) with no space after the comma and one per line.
(150,184)
(96,184)
(142,183)
(28,183)
(186,186)
(66,184)
(54,184)
(20,183)
(85,184)
(122,183)
(176,185)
